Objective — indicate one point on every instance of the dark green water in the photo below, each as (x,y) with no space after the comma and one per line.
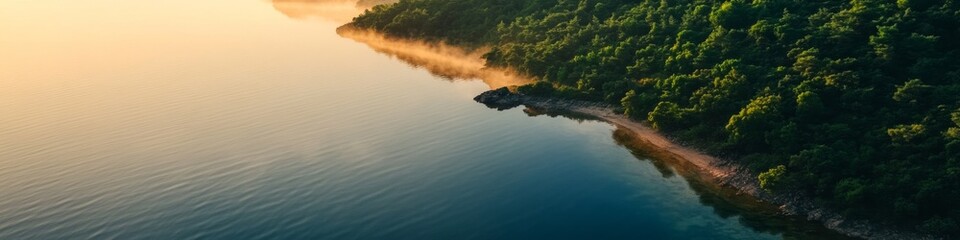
(231,120)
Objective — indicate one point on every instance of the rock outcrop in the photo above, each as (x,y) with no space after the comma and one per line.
(501,99)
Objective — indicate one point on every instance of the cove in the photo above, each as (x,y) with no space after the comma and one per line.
(233,120)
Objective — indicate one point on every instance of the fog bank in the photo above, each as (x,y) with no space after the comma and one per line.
(449,62)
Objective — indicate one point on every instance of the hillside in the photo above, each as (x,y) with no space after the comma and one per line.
(853,103)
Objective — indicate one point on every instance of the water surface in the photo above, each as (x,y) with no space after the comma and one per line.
(254,120)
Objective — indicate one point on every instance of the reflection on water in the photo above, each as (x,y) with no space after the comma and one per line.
(448,62)
(726,202)
(223,119)
(337,11)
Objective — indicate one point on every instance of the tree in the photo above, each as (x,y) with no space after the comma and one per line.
(752,123)
(906,133)
(733,14)
(773,179)
(809,106)
(666,116)
(954,131)
(912,92)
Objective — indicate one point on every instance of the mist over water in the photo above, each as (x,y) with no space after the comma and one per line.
(439,59)
(251,120)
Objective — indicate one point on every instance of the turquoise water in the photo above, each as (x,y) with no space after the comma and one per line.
(233,120)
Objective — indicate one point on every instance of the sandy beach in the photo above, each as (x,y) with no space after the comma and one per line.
(726,178)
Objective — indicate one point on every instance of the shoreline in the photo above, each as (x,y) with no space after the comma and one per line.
(713,170)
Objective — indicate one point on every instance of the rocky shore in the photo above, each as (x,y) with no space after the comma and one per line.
(722,172)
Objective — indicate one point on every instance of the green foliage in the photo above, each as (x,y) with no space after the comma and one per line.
(753,122)
(851,192)
(536,89)
(666,116)
(856,98)
(773,178)
(912,91)
(906,133)
(635,103)
(733,15)
(809,106)
(954,132)
(459,22)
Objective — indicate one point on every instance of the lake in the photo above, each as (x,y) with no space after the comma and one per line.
(255,120)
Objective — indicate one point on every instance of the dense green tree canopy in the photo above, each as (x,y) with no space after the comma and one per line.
(855,103)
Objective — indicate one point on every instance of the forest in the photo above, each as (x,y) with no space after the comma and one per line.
(855,104)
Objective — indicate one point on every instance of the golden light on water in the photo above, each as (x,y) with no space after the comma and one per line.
(72,64)
(439,59)
(73,38)
(64,62)
(337,11)
(446,61)
(66,40)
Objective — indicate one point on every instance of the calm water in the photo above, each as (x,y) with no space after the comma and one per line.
(248,119)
